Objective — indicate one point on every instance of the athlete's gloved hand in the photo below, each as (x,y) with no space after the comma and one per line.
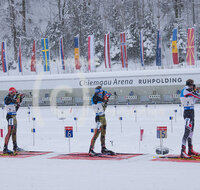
(107,95)
(21,97)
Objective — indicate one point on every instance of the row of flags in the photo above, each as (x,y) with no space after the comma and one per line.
(107,57)
(190,54)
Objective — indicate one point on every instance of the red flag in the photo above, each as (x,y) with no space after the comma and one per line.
(33,60)
(190,47)
(141,134)
(107,50)
(20,58)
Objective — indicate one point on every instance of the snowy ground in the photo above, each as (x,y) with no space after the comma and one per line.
(41,173)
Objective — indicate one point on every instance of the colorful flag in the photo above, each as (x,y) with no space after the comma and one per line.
(190,47)
(174,47)
(123,50)
(141,48)
(62,53)
(158,50)
(33,58)
(20,58)
(107,50)
(76,53)
(3,57)
(45,51)
(91,50)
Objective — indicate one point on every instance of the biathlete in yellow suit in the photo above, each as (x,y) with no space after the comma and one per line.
(99,103)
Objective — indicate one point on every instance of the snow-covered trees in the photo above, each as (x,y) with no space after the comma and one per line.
(36,19)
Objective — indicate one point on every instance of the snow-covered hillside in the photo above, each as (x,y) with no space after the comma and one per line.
(36,19)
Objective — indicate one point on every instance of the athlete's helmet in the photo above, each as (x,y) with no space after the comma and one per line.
(12,90)
(98,89)
(190,82)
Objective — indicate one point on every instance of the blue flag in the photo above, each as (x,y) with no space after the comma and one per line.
(20,59)
(62,53)
(45,51)
(158,50)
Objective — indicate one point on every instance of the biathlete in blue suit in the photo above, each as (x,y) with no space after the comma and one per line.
(99,103)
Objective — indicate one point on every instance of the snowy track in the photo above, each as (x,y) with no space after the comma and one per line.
(40,172)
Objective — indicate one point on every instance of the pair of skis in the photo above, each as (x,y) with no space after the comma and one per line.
(14,153)
(109,153)
(180,158)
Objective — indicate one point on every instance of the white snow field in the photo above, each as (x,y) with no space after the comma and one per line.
(138,173)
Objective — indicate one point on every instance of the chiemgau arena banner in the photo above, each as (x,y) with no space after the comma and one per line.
(106,80)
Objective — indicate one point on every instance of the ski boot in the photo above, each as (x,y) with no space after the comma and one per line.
(7,151)
(183,152)
(17,149)
(92,152)
(104,150)
(191,152)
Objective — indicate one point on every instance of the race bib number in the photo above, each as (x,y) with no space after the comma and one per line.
(98,125)
(188,124)
(11,121)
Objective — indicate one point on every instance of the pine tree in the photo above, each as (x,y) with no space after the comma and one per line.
(149,34)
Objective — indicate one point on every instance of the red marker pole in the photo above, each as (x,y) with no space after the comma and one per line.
(141,137)
(1,134)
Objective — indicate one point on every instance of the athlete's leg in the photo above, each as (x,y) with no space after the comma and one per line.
(96,132)
(103,131)
(191,133)
(7,138)
(14,133)
(10,127)
(188,129)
